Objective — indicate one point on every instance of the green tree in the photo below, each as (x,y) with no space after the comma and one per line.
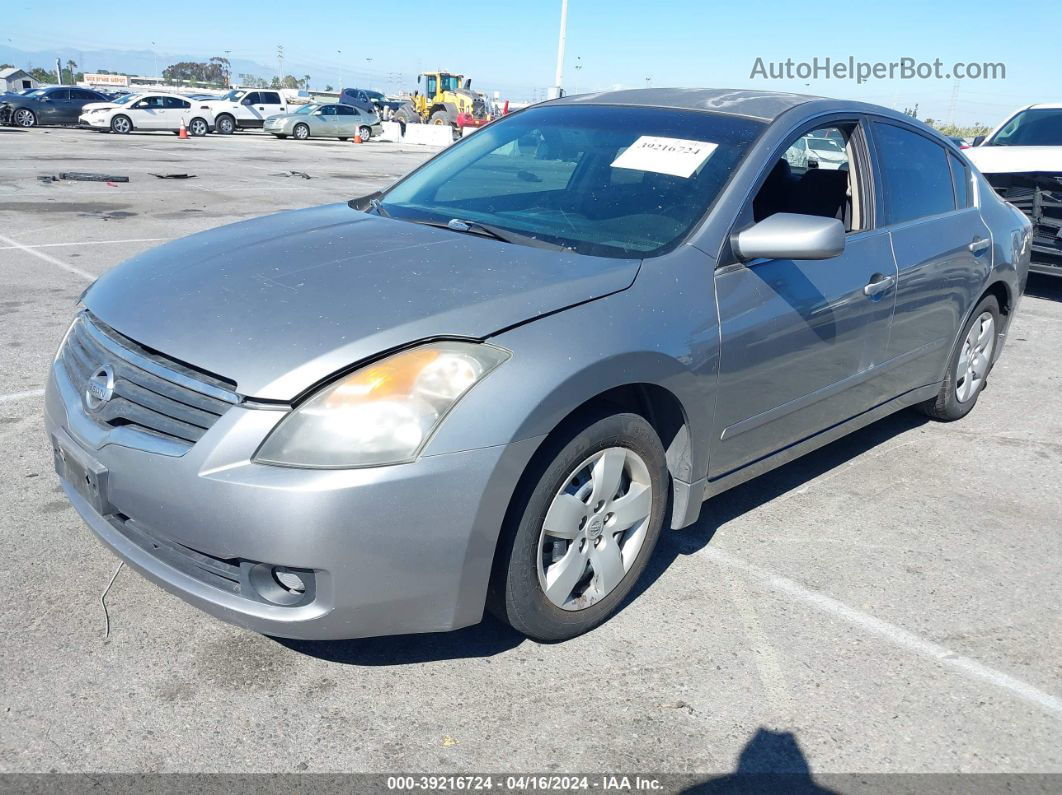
(290,81)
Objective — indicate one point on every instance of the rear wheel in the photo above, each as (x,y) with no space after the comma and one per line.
(121,125)
(582,530)
(197,127)
(968,366)
(301,132)
(24,117)
(225,124)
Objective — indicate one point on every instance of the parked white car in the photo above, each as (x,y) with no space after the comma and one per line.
(246,109)
(811,151)
(149,112)
(1022,160)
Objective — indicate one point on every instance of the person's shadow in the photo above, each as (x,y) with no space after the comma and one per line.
(1041,285)
(770,762)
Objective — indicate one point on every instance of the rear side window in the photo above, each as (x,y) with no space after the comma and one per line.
(345,110)
(915,174)
(269,98)
(173,102)
(960,177)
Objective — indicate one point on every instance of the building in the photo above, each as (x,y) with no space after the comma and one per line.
(15,79)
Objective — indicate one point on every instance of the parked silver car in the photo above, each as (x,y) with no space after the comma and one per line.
(497,382)
(324,121)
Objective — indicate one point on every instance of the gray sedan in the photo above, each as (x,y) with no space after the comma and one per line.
(324,121)
(495,384)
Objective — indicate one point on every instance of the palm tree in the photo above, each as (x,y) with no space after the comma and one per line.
(306,82)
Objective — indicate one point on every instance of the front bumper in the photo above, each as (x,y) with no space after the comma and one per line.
(95,121)
(393,550)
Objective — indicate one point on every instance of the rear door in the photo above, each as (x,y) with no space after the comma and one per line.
(347,119)
(801,341)
(943,248)
(270,103)
(177,112)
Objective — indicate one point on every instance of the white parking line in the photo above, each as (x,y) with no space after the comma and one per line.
(13,396)
(9,243)
(893,634)
(28,246)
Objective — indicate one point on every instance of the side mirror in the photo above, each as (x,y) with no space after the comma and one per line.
(791,236)
(978,140)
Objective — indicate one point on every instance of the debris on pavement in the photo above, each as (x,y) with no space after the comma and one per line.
(174,176)
(88,176)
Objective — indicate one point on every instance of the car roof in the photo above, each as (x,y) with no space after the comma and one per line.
(763,105)
(1045,106)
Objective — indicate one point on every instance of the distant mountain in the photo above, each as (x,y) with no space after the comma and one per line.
(137,62)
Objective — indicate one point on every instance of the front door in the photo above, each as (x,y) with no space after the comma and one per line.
(800,340)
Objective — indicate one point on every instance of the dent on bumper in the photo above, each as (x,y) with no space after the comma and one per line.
(397,549)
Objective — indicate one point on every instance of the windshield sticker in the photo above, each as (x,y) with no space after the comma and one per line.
(674,156)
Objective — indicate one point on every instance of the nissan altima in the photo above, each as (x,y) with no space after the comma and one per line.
(494,384)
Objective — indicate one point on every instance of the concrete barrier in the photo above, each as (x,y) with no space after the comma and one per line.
(392,132)
(428,134)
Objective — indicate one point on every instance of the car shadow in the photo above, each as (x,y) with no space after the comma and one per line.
(1041,285)
(741,499)
(492,637)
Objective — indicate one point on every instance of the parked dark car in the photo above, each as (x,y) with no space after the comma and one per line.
(56,105)
(496,383)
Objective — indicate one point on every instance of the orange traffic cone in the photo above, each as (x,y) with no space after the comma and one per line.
(183,133)
(357,138)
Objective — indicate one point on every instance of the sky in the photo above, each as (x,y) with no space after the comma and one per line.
(512,47)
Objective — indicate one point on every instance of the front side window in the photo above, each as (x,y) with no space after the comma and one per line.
(328,110)
(915,173)
(1033,127)
(815,176)
(609,181)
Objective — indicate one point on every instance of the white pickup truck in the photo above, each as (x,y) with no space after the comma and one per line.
(1022,160)
(246,108)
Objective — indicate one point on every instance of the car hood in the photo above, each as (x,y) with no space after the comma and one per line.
(99,106)
(281,302)
(1015,159)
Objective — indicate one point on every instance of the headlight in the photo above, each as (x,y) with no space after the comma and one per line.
(383,413)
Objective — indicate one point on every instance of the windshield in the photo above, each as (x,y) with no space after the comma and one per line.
(1036,127)
(450,83)
(124,99)
(234,95)
(610,181)
(37,92)
(307,109)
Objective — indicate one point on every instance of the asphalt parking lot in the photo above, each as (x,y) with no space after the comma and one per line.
(891,603)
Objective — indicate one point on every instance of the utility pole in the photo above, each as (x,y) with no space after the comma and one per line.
(557,89)
(340,54)
(368,78)
(280,62)
(155,55)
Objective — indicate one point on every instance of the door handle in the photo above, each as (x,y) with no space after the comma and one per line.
(880,286)
(979,244)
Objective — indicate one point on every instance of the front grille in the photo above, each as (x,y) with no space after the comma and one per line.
(1039,196)
(151,392)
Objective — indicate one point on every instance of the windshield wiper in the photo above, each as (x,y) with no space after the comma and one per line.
(496,232)
(370,201)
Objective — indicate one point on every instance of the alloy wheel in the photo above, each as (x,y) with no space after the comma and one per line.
(24,118)
(975,357)
(594,528)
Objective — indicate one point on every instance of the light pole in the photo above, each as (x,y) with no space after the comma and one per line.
(557,90)
(368,77)
(228,69)
(340,54)
(156,56)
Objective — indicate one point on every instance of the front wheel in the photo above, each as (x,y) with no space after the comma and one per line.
(24,117)
(226,125)
(365,133)
(968,366)
(121,125)
(591,515)
(301,132)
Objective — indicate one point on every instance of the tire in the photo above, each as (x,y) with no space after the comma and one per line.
(440,117)
(301,132)
(966,377)
(528,590)
(280,135)
(122,125)
(365,133)
(24,117)
(225,124)
(197,127)
(342,139)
